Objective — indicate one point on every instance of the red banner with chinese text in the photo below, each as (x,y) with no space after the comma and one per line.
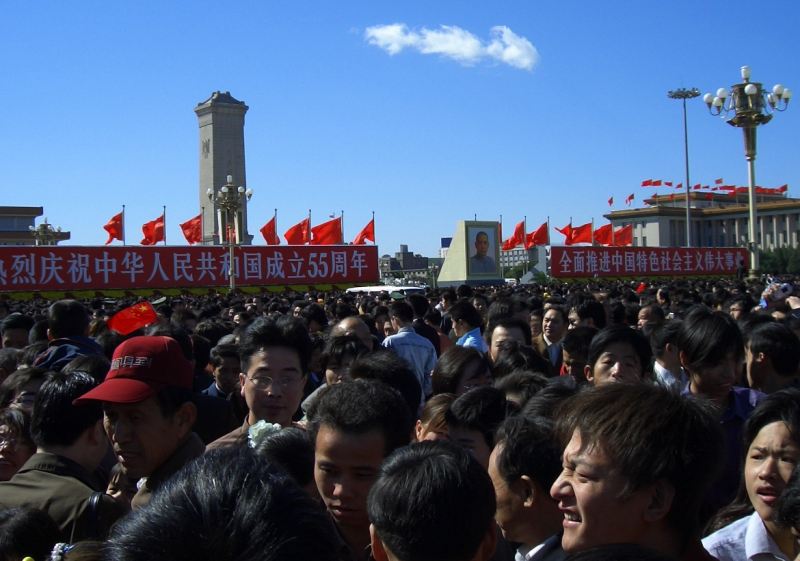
(576,262)
(64,268)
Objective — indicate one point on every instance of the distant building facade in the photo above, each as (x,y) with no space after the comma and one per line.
(411,266)
(716,221)
(16,223)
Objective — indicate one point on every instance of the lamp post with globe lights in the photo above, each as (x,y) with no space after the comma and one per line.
(746,106)
(229,202)
(683,94)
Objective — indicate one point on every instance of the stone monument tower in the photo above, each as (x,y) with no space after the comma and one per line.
(221,120)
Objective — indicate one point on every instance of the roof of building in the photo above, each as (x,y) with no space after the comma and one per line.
(221,97)
(21,211)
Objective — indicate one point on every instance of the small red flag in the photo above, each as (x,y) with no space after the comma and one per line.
(610,201)
(647,183)
(114,227)
(718,181)
(299,234)
(656,183)
(567,232)
(581,234)
(783,188)
(603,234)
(192,229)
(538,237)
(327,233)
(268,230)
(696,186)
(623,235)
(366,233)
(518,238)
(153,231)
(132,318)
(668,183)
(679,186)
(641,288)
(629,199)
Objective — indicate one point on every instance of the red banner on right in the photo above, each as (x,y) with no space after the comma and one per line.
(576,262)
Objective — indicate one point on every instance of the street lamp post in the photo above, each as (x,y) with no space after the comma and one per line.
(44,233)
(751,106)
(683,94)
(229,202)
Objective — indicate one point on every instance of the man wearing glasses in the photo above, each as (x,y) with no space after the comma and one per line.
(274,355)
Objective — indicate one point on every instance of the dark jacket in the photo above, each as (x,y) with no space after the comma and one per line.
(185,453)
(60,352)
(63,489)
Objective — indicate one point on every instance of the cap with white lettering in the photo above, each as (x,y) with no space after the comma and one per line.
(140,368)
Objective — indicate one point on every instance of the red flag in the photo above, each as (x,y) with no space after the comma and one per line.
(672,196)
(641,288)
(366,233)
(679,186)
(709,196)
(115,229)
(629,199)
(567,232)
(623,235)
(269,233)
(132,318)
(153,231)
(718,181)
(647,183)
(783,188)
(518,238)
(696,186)
(299,234)
(610,201)
(581,234)
(656,183)
(668,183)
(537,237)
(327,233)
(192,229)
(603,234)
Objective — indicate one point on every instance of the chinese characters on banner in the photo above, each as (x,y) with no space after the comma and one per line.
(574,262)
(128,268)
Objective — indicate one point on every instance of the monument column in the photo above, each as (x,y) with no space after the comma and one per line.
(221,121)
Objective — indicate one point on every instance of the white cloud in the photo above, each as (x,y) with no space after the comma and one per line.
(455,43)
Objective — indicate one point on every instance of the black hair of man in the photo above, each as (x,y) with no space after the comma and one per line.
(592,309)
(16,321)
(521,385)
(27,532)
(528,448)
(706,338)
(419,304)
(361,406)
(402,311)
(452,366)
(788,506)
(276,331)
(67,318)
(221,352)
(513,356)
(341,346)
(315,312)
(621,334)
(661,334)
(38,333)
(550,398)
(508,323)
(432,502)
(387,367)
(292,450)
(463,310)
(16,382)
(578,340)
(480,409)
(96,366)
(227,505)
(55,420)
(651,434)
(779,344)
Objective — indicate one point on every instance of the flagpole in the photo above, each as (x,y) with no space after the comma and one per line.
(500,241)
(275,218)
(592,231)
(164,216)
(308,232)
(374,242)
(341,228)
(525,235)
(123,224)
(202,224)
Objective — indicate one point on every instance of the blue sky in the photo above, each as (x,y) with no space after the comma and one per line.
(560,107)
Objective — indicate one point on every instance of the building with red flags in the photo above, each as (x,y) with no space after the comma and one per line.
(719,218)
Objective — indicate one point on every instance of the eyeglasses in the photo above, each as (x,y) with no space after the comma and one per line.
(263,382)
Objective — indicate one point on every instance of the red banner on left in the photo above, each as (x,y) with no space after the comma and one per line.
(128,268)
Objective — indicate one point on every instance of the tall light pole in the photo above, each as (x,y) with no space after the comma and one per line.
(683,94)
(751,106)
(229,202)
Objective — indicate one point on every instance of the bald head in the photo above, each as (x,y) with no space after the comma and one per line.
(354,326)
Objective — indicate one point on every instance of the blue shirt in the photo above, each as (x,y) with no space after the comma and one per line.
(743,540)
(473,339)
(417,351)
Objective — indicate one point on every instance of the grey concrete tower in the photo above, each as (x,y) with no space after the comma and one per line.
(221,120)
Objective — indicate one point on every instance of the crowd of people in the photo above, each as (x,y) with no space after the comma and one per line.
(584,421)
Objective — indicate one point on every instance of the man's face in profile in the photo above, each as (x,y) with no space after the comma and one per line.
(481,244)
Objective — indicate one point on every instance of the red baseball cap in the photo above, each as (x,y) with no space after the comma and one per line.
(140,368)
